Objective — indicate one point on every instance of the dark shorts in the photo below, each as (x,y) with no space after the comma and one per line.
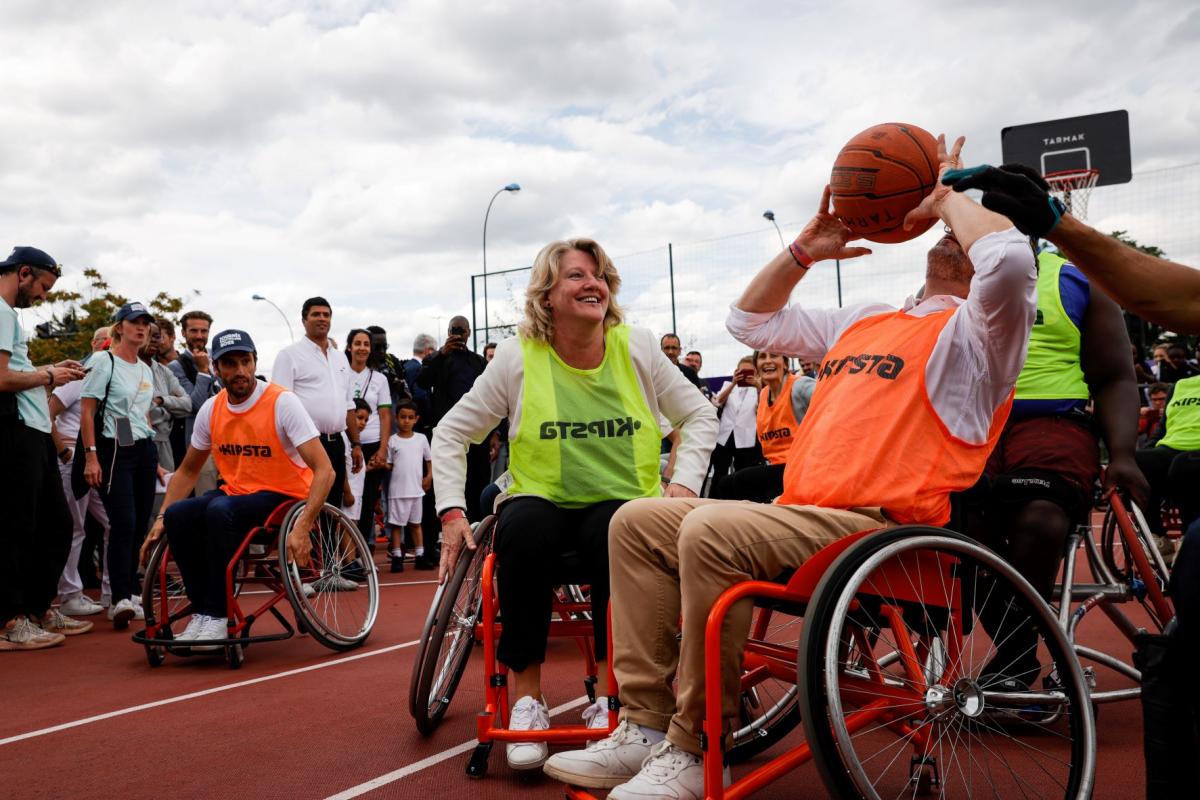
(1045,458)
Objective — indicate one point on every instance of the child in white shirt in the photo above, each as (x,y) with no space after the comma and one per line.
(408,458)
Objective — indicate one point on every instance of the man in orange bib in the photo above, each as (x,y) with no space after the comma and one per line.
(266,449)
(907,406)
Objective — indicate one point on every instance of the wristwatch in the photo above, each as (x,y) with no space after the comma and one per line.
(89,449)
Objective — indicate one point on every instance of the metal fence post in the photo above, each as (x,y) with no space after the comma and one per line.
(671,267)
(474,320)
(838,266)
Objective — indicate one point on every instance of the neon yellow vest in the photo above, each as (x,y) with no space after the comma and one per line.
(1183,416)
(585,436)
(1052,370)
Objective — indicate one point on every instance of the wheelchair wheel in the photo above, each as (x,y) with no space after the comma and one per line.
(335,597)
(162,589)
(1115,552)
(899,690)
(449,635)
(768,707)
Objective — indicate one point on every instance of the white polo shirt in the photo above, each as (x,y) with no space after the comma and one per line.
(321,379)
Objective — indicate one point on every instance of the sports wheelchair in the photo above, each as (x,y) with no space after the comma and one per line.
(334,599)
(464,612)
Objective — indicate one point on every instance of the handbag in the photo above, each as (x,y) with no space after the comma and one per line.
(79,486)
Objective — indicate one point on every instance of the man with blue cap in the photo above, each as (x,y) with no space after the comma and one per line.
(266,448)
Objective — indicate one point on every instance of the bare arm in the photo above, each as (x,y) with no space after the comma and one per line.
(56,408)
(48,376)
(1153,288)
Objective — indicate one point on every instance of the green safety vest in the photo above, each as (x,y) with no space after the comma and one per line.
(1183,416)
(1052,370)
(585,435)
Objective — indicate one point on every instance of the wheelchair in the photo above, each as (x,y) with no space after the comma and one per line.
(464,612)
(334,599)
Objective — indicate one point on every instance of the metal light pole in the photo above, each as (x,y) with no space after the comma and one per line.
(770,215)
(286,321)
(512,187)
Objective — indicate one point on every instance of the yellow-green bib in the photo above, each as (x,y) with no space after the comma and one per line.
(1183,416)
(585,435)
(1052,370)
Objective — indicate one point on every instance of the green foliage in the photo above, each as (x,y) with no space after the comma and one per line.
(77,315)
(1148,249)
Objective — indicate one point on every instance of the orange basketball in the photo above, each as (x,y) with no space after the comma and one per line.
(879,176)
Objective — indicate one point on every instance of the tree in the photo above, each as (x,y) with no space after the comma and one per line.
(68,333)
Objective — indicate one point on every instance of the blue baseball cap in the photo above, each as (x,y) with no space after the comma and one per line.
(232,341)
(30,257)
(134,310)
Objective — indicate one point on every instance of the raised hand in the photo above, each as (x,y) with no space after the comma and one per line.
(947,160)
(825,236)
(1031,209)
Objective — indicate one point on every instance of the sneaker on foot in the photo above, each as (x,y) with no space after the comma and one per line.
(397,563)
(58,622)
(25,635)
(528,715)
(80,606)
(335,583)
(595,716)
(123,612)
(604,763)
(308,590)
(211,628)
(195,624)
(667,772)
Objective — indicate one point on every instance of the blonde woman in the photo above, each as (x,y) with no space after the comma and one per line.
(583,393)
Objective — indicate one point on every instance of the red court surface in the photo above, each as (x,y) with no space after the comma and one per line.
(91,719)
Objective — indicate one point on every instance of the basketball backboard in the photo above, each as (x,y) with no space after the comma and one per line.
(1094,141)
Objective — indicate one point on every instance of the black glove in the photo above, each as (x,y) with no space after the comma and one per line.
(1032,210)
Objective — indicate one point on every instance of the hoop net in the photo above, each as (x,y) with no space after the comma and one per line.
(1073,187)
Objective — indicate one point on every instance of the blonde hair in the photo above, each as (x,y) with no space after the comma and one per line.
(538,323)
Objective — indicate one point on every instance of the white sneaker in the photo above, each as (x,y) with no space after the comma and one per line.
(604,763)
(80,606)
(211,628)
(528,715)
(123,612)
(336,583)
(595,716)
(57,622)
(192,630)
(309,590)
(27,635)
(667,772)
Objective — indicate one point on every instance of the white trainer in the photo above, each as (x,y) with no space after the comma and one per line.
(604,763)
(528,715)
(211,628)
(195,624)
(123,612)
(57,622)
(667,772)
(80,606)
(595,716)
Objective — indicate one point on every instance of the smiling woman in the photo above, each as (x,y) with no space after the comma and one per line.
(584,395)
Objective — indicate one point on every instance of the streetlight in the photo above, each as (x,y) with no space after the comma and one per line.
(287,321)
(769,214)
(511,188)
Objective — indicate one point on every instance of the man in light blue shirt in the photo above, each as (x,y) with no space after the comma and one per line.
(36,536)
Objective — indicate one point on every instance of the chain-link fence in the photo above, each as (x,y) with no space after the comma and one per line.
(688,287)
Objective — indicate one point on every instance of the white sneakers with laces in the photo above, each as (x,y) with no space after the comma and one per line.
(595,716)
(57,622)
(80,606)
(192,630)
(211,628)
(604,763)
(124,611)
(528,714)
(25,634)
(666,772)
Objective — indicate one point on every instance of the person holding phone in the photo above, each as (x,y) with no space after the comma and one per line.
(737,437)
(448,374)
(120,459)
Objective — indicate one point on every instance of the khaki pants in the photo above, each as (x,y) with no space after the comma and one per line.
(673,557)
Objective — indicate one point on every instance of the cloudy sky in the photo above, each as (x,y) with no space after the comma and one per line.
(350,148)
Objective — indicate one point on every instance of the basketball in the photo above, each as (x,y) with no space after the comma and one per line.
(879,176)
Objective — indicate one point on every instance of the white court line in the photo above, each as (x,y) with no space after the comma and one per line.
(417,766)
(20,737)
(398,583)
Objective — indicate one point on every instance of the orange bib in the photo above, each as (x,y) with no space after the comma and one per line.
(872,438)
(777,423)
(248,452)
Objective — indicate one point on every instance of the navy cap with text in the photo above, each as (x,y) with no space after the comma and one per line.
(232,341)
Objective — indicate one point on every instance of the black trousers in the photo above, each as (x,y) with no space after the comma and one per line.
(335,448)
(127,490)
(370,493)
(532,536)
(1173,475)
(204,532)
(727,454)
(35,537)
(761,484)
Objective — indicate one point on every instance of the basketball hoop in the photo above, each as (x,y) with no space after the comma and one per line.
(1074,187)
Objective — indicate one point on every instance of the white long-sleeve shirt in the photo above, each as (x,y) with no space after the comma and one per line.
(978,355)
(739,417)
(498,392)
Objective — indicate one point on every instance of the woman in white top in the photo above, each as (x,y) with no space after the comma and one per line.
(369,384)
(121,460)
(737,437)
